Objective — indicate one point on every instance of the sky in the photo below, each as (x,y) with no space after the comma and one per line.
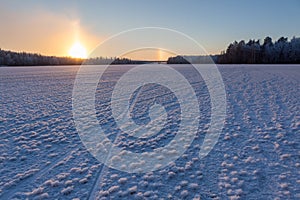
(52,27)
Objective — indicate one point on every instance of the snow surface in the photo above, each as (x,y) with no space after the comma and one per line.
(256,157)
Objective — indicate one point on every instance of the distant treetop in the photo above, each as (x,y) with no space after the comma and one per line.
(252,52)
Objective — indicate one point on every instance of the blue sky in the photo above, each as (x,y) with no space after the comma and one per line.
(214,24)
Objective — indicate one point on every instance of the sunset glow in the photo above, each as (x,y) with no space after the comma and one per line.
(78,51)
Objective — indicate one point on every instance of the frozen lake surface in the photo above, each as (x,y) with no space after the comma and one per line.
(257,155)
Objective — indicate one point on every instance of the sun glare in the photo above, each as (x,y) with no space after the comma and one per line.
(78,51)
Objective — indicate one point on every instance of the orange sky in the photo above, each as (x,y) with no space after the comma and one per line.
(52,34)
(44,32)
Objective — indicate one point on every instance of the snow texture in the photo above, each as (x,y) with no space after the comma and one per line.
(256,157)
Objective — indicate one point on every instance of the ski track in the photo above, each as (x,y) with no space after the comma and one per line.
(96,185)
(10,192)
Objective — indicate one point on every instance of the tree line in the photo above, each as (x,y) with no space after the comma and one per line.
(252,52)
(10,58)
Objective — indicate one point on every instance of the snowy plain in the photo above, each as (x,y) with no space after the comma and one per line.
(257,155)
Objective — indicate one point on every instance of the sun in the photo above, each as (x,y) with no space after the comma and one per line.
(77,51)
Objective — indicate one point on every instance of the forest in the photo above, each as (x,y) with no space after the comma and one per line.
(10,58)
(281,51)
